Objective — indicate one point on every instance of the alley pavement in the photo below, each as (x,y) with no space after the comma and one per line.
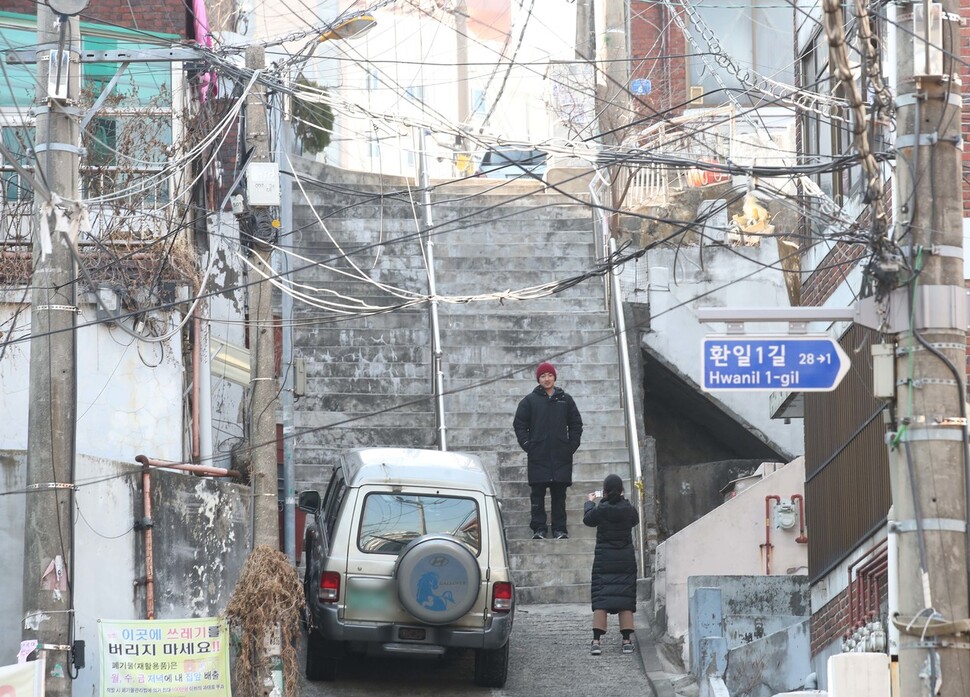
(550,656)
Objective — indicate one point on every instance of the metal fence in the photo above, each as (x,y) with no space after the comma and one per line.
(846,464)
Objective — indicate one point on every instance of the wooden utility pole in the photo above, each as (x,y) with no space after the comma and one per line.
(263,389)
(930,482)
(49,531)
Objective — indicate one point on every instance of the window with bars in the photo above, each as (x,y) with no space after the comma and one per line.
(127,142)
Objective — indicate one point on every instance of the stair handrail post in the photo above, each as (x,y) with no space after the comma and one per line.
(629,408)
(424,181)
(601,228)
(606,244)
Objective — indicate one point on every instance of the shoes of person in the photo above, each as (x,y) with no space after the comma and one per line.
(594,648)
(562,536)
(627,647)
(539,535)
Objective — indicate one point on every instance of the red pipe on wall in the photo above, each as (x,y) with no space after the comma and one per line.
(189,467)
(196,360)
(768,499)
(146,487)
(802,537)
(863,559)
(869,574)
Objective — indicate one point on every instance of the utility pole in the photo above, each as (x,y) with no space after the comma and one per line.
(52,418)
(930,477)
(461,67)
(612,78)
(612,68)
(263,403)
(437,355)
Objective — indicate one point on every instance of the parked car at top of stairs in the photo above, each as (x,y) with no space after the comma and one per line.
(512,162)
(406,555)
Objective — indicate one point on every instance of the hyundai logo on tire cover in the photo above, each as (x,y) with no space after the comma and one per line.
(439,560)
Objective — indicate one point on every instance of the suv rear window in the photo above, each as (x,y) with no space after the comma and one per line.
(391,520)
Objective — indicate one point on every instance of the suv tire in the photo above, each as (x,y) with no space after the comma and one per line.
(492,666)
(321,658)
(438,579)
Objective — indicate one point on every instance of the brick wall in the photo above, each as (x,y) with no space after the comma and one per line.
(832,621)
(831,273)
(168,16)
(658,53)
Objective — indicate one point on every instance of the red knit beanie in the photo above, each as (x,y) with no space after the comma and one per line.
(545,368)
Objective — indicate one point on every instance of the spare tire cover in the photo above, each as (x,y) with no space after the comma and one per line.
(438,579)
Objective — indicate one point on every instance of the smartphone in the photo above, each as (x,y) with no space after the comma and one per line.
(598,494)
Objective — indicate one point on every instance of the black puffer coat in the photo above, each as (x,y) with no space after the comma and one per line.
(614,579)
(549,428)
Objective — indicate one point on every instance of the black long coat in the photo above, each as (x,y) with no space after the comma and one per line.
(614,577)
(549,429)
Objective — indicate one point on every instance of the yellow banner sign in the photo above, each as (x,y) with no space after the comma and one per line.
(164,657)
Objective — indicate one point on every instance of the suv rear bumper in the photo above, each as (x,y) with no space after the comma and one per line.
(493,636)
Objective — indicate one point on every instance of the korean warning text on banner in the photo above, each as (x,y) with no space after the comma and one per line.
(164,657)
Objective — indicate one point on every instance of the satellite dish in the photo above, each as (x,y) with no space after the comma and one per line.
(68,8)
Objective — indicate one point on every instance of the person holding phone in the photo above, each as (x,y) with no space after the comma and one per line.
(614,575)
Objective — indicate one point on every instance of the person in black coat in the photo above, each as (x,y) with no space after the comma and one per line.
(549,428)
(614,578)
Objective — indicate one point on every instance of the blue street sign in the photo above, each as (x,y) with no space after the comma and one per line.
(640,86)
(770,363)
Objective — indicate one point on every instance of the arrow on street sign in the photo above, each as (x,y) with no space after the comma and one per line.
(772,363)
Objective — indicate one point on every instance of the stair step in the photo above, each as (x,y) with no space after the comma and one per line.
(520,540)
(552,593)
(540,577)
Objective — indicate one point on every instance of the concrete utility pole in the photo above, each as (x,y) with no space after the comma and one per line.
(930,478)
(262,417)
(49,531)
(612,68)
(610,18)
(461,67)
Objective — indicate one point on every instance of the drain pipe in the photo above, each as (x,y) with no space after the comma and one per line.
(626,383)
(146,525)
(892,597)
(436,353)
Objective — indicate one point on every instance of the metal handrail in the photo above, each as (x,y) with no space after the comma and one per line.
(614,303)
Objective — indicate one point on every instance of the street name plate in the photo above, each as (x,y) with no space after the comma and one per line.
(772,363)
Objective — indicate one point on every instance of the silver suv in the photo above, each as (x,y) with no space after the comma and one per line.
(406,555)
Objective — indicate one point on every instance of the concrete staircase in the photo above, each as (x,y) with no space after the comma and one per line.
(370,378)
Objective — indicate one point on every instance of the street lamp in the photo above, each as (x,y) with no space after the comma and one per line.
(352,27)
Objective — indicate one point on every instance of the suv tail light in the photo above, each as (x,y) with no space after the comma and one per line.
(329,591)
(502,597)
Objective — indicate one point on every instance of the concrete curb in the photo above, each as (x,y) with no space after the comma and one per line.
(661,682)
